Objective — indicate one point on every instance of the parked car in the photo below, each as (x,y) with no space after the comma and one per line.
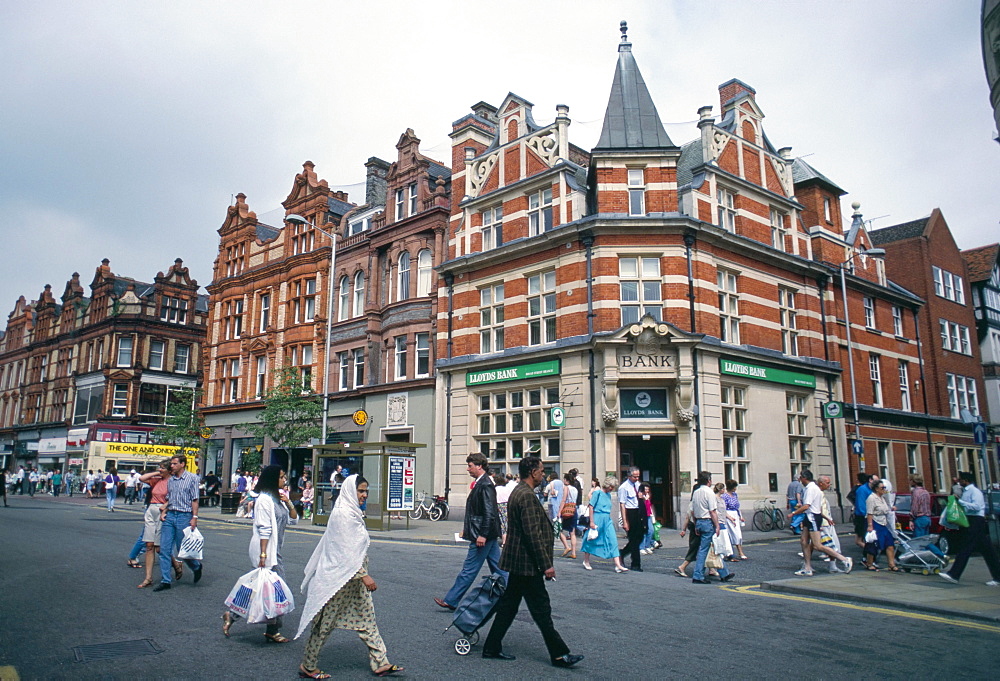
(904,521)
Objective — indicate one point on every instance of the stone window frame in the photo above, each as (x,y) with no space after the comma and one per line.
(735,433)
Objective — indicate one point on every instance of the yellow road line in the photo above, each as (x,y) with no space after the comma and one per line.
(938,619)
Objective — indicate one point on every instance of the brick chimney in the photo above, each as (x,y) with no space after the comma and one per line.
(732,90)
(375,183)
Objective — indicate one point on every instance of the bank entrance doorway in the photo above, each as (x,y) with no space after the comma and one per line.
(656,458)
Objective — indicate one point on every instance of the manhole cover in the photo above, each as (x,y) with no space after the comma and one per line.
(107,651)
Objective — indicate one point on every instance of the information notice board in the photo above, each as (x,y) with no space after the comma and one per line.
(402,470)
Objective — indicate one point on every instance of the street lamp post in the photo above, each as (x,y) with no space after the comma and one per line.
(299,220)
(874,253)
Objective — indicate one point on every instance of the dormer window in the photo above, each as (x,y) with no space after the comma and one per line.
(636,191)
(413,198)
(540,212)
(778,229)
(726,210)
(400,204)
(492,228)
(358,226)
(173,310)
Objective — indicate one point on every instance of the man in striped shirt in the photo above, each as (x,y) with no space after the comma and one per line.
(180,511)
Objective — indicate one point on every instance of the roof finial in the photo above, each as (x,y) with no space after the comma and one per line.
(624,29)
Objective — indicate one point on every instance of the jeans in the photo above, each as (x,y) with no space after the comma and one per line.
(474,559)
(922,526)
(706,529)
(138,547)
(171,535)
(532,589)
(111,492)
(648,541)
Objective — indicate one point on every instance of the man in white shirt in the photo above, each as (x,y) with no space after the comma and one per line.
(706,525)
(976,535)
(633,511)
(130,483)
(812,521)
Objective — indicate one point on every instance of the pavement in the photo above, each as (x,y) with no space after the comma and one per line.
(970,599)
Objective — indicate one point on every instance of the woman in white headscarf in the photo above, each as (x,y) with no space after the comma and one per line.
(338,587)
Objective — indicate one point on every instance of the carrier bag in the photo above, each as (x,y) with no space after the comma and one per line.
(260,595)
(954,513)
(191,545)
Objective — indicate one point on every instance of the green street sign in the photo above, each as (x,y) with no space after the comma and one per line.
(769,374)
(516,373)
(557,417)
(833,410)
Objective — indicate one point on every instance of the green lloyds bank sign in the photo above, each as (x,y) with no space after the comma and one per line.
(766,374)
(516,373)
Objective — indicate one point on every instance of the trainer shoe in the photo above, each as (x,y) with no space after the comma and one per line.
(834,569)
(948,578)
(848,565)
(804,573)
(993,582)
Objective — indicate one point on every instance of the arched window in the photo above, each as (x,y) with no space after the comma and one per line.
(359,294)
(424,272)
(345,299)
(403,277)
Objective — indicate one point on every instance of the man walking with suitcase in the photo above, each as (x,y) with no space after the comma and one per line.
(527,556)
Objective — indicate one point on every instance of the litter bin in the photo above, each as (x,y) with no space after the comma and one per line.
(230,502)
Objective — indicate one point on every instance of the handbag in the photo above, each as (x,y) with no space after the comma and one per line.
(954,513)
(568,510)
(713,560)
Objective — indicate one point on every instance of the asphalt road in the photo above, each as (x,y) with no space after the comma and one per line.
(64,583)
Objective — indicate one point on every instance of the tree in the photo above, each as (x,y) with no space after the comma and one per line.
(290,417)
(183,421)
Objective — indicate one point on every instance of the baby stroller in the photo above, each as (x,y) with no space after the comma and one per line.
(475,610)
(920,554)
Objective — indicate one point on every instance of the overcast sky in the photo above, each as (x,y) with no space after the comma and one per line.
(127,127)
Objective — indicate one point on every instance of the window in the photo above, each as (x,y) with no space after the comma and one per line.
(948,285)
(735,435)
(897,320)
(797,423)
(301,358)
(403,277)
(124,351)
(359,294)
(359,367)
(640,288)
(400,204)
(542,308)
(305,301)
(955,337)
(231,381)
(491,317)
(235,259)
(173,310)
(424,272)
(962,394)
(358,226)
(636,191)
(153,401)
(511,423)
(156,350)
(789,332)
(778,229)
(182,354)
(413,199)
(345,299)
(911,460)
(827,214)
(883,460)
(303,238)
(343,359)
(423,355)
(234,319)
(260,384)
(875,372)
(726,210)
(400,357)
(540,212)
(265,311)
(904,385)
(492,228)
(729,307)
(88,404)
(939,468)
(869,312)
(119,400)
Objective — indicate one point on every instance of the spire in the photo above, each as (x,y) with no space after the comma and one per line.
(631,121)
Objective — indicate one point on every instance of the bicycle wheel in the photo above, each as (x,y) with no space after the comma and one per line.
(417,511)
(434,513)
(443,505)
(779,519)
(762,521)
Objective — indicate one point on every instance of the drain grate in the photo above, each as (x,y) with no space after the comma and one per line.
(107,651)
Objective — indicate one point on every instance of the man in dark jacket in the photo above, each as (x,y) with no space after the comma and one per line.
(527,555)
(481,529)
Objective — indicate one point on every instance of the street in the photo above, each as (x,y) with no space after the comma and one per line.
(64,583)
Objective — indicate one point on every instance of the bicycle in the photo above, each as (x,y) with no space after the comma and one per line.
(434,507)
(767,516)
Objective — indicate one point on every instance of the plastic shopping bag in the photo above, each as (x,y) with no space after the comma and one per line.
(260,595)
(722,545)
(191,545)
(656,531)
(954,513)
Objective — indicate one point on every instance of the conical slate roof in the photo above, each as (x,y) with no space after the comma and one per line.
(631,121)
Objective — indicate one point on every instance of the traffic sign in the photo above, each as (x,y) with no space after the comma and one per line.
(858,447)
(979,433)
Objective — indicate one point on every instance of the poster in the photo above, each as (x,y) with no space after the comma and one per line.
(402,472)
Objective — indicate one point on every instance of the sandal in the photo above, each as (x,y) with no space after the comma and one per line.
(145,583)
(679,572)
(276,638)
(134,563)
(391,669)
(314,674)
(873,568)
(893,568)
(227,622)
